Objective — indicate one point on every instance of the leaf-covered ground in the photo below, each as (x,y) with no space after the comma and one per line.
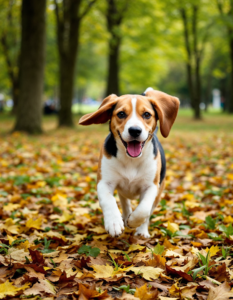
(52,240)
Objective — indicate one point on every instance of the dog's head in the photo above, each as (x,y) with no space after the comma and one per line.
(134,118)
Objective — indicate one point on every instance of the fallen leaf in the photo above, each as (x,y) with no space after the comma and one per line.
(149,273)
(144,294)
(8,289)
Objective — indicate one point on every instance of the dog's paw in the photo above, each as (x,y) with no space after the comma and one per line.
(114,225)
(125,219)
(135,221)
(142,231)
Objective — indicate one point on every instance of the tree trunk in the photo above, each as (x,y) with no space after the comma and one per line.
(113,66)
(29,110)
(197,79)
(15,95)
(230,105)
(66,87)
(189,57)
(68,27)
(114,16)
(197,102)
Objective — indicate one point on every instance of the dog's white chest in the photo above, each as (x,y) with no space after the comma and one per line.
(130,176)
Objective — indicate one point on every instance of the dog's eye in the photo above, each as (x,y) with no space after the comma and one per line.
(121,115)
(146,115)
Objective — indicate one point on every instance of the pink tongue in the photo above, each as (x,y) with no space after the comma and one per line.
(134,148)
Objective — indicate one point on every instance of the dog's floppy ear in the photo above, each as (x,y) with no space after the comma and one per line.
(102,115)
(167,108)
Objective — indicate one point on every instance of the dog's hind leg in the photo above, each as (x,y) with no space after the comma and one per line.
(143,229)
(126,208)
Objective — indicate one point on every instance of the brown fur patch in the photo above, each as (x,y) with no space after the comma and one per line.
(161,188)
(124,104)
(159,166)
(99,176)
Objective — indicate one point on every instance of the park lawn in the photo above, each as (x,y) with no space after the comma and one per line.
(51,225)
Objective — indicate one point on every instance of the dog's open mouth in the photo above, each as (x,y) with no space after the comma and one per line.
(133,148)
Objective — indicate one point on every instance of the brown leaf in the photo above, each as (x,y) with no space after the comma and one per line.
(221,292)
(37,257)
(63,278)
(157,261)
(219,272)
(178,273)
(144,294)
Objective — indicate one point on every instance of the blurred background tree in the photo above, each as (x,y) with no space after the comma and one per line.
(31,64)
(69,14)
(94,48)
(10,44)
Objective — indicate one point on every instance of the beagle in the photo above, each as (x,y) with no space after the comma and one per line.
(132,160)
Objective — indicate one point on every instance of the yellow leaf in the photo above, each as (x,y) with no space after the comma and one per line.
(77,238)
(149,273)
(135,247)
(174,290)
(60,200)
(34,223)
(191,204)
(98,229)
(41,183)
(230,176)
(103,271)
(173,227)
(144,294)
(171,254)
(66,217)
(17,254)
(10,226)
(55,234)
(70,272)
(213,250)
(101,237)
(167,298)
(189,266)
(8,289)
(11,207)
(10,239)
(228,219)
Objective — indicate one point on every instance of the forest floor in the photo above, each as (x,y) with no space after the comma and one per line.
(53,244)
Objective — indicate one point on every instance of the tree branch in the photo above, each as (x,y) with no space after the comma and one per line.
(86,10)
(220,8)
(60,28)
(7,57)
(186,33)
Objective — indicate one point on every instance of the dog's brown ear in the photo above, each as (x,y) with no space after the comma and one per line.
(167,108)
(102,115)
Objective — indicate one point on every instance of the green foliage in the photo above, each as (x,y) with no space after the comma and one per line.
(204,266)
(159,249)
(46,247)
(89,251)
(227,230)
(126,288)
(210,222)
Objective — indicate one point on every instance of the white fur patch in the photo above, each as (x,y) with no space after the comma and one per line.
(133,178)
(132,122)
(148,89)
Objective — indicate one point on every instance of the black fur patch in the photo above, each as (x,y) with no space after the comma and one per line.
(157,145)
(110,145)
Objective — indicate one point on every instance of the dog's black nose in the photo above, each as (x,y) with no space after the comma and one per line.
(135,131)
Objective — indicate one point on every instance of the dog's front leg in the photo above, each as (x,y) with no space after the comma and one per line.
(143,211)
(112,217)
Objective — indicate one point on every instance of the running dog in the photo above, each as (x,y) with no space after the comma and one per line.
(132,160)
